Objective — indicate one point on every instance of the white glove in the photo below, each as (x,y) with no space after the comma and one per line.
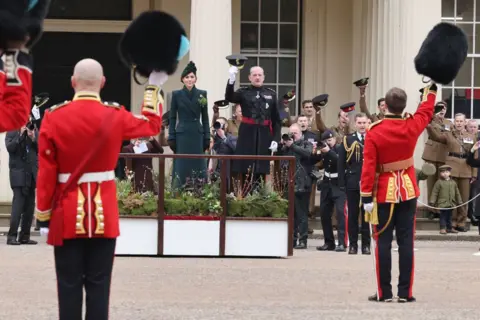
(157,78)
(274,146)
(36,112)
(233,73)
(44,231)
(368,207)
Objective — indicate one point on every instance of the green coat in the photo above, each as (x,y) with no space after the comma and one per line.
(445,194)
(191,134)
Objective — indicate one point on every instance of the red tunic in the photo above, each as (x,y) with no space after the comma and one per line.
(389,141)
(15,90)
(67,132)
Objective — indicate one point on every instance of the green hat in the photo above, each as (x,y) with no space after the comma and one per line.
(189,69)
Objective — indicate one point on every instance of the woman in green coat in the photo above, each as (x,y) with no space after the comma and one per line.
(191,133)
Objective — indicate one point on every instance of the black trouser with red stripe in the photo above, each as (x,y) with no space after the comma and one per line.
(403,221)
(84,263)
(354,210)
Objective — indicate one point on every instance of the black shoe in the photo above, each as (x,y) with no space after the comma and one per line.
(301,245)
(366,250)
(326,247)
(404,300)
(353,250)
(340,248)
(13,242)
(374,298)
(461,229)
(28,242)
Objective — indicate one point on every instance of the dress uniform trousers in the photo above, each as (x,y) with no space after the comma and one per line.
(332,197)
(84,263)
(354,211)
(403,221)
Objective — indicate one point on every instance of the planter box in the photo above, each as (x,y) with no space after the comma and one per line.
(191,236)
(138,236)
(256,237)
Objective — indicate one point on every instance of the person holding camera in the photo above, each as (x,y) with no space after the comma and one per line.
(22,149)
(330,194)
(294,144)
(223,143)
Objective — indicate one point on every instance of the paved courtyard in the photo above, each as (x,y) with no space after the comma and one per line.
(310,285)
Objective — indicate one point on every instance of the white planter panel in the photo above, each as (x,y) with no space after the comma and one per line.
(191,237)
(256,238)
(137,237)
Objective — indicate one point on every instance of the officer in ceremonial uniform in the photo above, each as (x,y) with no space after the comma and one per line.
(350,161)
(331,195)
(395,200)
(76,194)
(435,152)
(458,143)
(261,124)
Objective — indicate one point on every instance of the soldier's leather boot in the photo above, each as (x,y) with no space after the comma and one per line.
(404,300)
(374,298)
(353,250)
(341,248)
(366,250)
(301,245)
(326,247)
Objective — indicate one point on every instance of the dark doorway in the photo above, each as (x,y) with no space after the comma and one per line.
(56,54)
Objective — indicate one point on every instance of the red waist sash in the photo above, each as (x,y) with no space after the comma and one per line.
(267,123)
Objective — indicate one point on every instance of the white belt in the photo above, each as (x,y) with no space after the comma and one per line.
(89,177)
(331,175)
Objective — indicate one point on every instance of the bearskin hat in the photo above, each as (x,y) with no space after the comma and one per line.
(155,40)
(442,53)
(19,18)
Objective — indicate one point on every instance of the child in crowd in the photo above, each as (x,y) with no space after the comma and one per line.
(445,195)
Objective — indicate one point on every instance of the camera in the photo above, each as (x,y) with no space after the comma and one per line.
(321,145)
(30,126)
(218,125)
(287,136)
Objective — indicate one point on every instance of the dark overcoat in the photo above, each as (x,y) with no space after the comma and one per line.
(189,128)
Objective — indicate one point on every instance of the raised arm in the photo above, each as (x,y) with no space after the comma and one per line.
(15,89)
(436,135)
(424,113)
(150,122)
(231,95)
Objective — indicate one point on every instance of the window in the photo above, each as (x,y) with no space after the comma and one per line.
(270,32)
(463,94)
(91,9)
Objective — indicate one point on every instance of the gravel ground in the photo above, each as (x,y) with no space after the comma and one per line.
(310,285)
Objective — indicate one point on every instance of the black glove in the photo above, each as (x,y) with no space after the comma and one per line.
(206,144)
(173,145)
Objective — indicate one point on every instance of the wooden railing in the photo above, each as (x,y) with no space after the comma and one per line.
(223,160)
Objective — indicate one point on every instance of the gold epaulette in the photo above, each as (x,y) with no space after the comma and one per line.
(374,124)
(58,106)
(350,150)
(111,104)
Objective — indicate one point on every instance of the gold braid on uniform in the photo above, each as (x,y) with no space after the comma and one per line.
(355,147)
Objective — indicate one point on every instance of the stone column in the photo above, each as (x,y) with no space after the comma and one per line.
(391,34)
(210,43)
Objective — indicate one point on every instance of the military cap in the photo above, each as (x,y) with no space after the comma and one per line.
(439,106)
(19,18)
(362,82)
(428,169)
(320,100)
(237,60)
(155,40)
(289,96)
(327,135)
(40,99)
(442,53)
(221,103)
(445,167)
(347,107)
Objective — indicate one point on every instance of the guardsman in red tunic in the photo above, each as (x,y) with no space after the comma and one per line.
(76,192)
(389,188)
